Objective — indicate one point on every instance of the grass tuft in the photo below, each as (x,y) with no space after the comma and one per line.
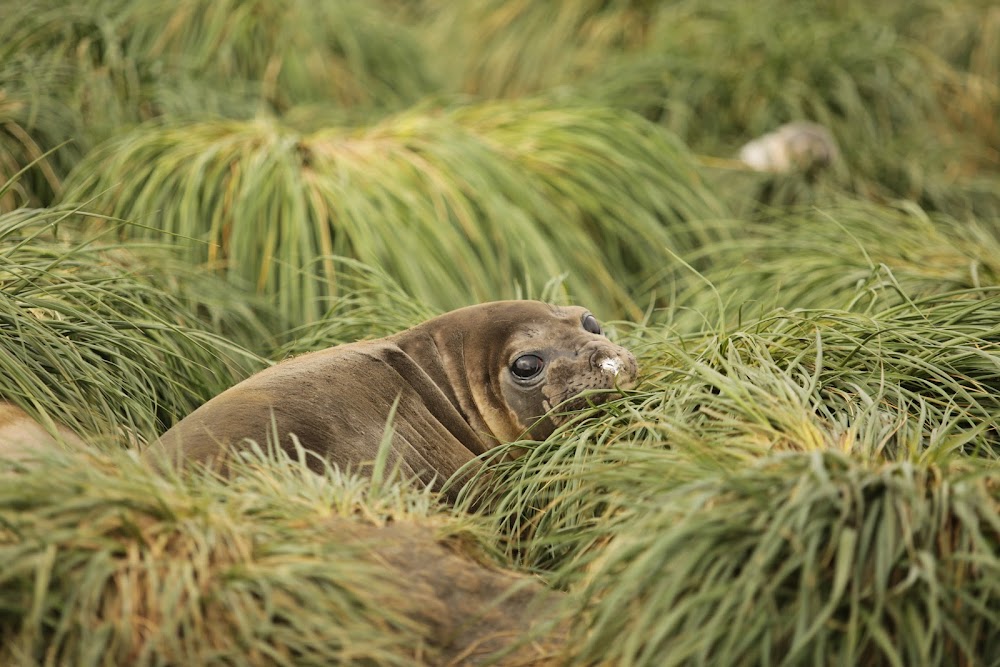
(91,338)
(803,558)
(458,206)
(102,562)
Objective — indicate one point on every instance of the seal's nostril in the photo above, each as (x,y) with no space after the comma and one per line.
(611,366)
(602,360)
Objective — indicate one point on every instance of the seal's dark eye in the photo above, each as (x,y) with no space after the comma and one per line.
(591,324)
(527,366)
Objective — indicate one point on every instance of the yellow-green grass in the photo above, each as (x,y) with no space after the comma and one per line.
(909,90)
(103,562)
(74,74)
(459,205)
(806,473)
(504,48)
(839,253)
(814,484)
(285,52)
(36,128)
(808,483)
(805,558)
(114,340)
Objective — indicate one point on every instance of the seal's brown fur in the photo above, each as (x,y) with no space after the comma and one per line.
(21,436)
(472,612)
(452,378)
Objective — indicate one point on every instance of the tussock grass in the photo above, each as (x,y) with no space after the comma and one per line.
(458,206)
(33,123)
(113,340)
(74,75)
(144,571)
(102,562)
(718,76)
(284,52)
(811,485)
(344,53)
(806,473)
(911,121)
(966,36)
(843,254)
(499,46)
(370,305)
(803,558)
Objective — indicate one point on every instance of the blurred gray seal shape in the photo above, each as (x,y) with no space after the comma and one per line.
(465,381)
(799,146)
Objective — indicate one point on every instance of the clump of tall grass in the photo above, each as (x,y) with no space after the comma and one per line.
(501,48)
(35,131)
(349,54)
(458,205)
(103,562)
(911,122)
(370,305)
(287,51)
(844,254)
(871,86)
(111,339)
(966,36)
(69,68)
(802,558)
(805,485)
(74,75)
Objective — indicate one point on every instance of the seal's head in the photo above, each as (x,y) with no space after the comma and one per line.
(512,362)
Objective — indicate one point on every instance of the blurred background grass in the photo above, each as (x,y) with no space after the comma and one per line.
(807,472)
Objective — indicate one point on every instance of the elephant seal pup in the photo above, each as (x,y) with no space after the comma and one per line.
(466,381)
